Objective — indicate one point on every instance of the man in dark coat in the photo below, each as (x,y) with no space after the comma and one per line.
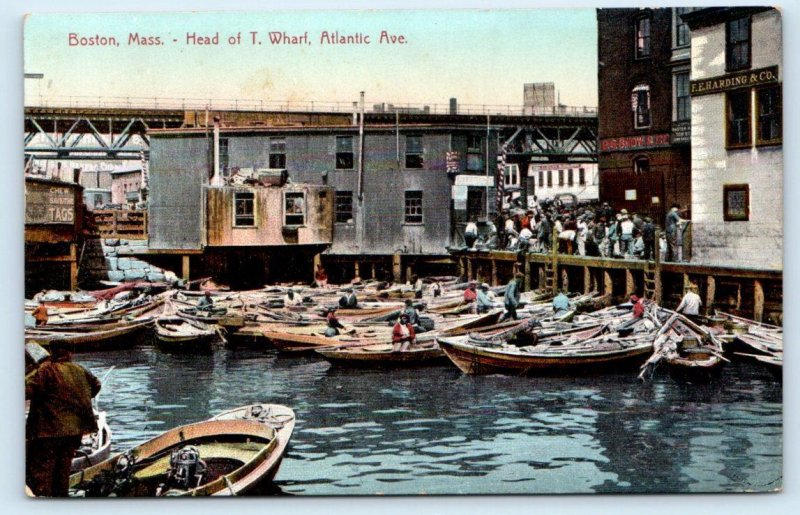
(649,238)
(61,413)
(511,297)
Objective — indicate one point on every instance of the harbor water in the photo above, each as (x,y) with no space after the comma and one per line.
(436,431)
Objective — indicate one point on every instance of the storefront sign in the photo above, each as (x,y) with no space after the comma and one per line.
(49,204)
(452,162)
(635,142)
(743,79)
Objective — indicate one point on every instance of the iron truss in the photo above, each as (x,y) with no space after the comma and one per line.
(83,133)
(568,142)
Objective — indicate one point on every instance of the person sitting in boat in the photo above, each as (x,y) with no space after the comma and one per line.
(560,303)
(349,300)
(40,315)
(690,303)
(413,316)
(470,294)
(403,335)
(61,412)
(638,306)
(292,299)
(206,303)
(333,324)
(485,301)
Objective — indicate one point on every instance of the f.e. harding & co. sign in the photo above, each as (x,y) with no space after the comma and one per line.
(743,79)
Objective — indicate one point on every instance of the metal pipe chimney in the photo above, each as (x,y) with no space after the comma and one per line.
(216,178)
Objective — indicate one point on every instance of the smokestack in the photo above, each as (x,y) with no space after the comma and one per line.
(216,179)
(453,105)
(361,151)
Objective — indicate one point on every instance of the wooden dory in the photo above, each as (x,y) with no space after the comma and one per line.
(122,336)
(238,454)
(613,353)
(381,355)
(179,333)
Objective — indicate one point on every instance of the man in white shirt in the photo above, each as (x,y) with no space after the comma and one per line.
(690,304)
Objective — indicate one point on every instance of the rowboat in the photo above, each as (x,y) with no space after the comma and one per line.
(95,447)
(381,355)
(276,416)
(601,354)
(214,457)
(687,350)
(122,336)
(174,332)
(307,338)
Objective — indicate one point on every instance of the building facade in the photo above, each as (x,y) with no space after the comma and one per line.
(553,179)
(643,111)
(737,151)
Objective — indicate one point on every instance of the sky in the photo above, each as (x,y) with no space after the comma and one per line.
(477,56)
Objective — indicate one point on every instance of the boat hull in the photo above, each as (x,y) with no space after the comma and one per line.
(384,358)
(233,471)
(474,360)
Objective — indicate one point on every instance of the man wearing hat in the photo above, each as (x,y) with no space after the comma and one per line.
(511,297)
(61,413)
(413,315)
(649,238)
(626,234)
(485,303)
(333,323)
(672,226)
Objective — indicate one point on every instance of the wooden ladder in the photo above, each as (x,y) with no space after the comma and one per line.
(550,279)
(649,281)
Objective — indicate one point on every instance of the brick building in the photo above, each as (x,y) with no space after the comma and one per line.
(643,110)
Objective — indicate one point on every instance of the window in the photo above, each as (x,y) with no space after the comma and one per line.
(642,37)
(768,103)
(344,207)
(640,103)
(549,178)
(581,176)
(641,165)
(737,47)
(561,177)
(294,208)
(413,207)
(570,178)
(736,202)
(474,152)
(414,152)
(541,179)
(277,152)
(223,157)
(683,102)
(738,118)
(681,29)
(244,209)
(344,152)
(511,175)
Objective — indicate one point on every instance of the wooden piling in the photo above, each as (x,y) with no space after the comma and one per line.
(397,268)
(630,286)
(73,266)
(758,301)
(608,284)
(711,291)
(185,271)
(587,279)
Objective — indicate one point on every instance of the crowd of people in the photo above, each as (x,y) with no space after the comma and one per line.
(584,231)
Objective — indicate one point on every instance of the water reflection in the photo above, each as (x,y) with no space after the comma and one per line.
(436,431)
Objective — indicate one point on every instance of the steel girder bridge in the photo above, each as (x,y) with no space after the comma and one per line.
(93,134)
